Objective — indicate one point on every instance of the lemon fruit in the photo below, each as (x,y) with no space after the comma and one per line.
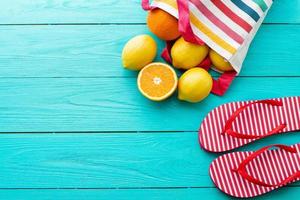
(194,85)
(219,62)
(138,52)
(157,81)
(186,55)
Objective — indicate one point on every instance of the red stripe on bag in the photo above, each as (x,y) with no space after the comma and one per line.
(216,21)
(234,17)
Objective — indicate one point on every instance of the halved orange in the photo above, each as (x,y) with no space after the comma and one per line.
(157,81)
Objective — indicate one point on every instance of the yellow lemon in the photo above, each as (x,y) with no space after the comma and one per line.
(138,52)
(186,55)
(194,85)
(219,62)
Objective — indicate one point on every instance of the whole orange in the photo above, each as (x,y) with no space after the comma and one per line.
(162,24)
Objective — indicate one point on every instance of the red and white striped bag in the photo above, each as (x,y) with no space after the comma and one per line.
(226,26)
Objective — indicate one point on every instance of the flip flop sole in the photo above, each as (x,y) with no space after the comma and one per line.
(256,119)
(272,166)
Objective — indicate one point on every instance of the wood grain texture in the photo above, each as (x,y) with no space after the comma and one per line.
(95,51)
(106,11)
(120,160)
(66,78)
(149,194)
(114,104)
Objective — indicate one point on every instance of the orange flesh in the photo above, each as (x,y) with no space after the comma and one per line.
(157,81)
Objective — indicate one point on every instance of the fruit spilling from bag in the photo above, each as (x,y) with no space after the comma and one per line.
(158,81)
(197,39)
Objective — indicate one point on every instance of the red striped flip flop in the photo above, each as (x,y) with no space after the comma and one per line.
(235,124)
(249,174)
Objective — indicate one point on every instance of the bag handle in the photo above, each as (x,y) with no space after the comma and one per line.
(184,22)
(221,85)
(146,5)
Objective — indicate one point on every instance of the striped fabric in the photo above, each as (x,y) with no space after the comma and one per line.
(271,167)
(224,25)
(257,119)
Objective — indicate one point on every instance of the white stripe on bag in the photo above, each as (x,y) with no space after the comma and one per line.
(268,2)
(254,6)
(211,43)
(240,13)
(226,20)
(201,17)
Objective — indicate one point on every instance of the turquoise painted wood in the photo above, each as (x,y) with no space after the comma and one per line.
(94,51)
(106,11)
(111,160)
(145,194)
(115,104)
(74,126)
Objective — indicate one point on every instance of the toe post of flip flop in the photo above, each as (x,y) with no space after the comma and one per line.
(233,125)
(253,173)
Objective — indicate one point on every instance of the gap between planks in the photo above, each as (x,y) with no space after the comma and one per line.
(112,77)
(125,188)
(113,188)
(108,24)
(95,132)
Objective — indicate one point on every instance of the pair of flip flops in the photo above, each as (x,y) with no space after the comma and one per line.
(252,173)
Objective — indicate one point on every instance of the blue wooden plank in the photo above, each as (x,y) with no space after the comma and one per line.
(291,193)
(96,104)
(120,160)
(289,8)
(106,11)
(94,51)
(114,104)
(71,11)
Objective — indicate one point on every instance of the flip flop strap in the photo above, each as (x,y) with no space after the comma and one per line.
(228,126)
(241,170)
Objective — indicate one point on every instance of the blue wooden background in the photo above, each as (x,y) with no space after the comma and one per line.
(74,126)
